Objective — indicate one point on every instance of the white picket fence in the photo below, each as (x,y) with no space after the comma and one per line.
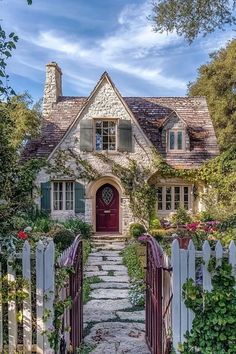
(184,267)
(44,257)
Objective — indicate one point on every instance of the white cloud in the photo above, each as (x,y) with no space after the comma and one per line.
(132,49)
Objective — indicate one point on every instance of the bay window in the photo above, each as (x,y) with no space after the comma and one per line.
(170,198)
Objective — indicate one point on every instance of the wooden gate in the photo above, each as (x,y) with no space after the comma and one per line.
(73,317)
(158,297)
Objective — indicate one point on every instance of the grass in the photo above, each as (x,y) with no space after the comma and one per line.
(111,273)
(85,348)
(87,287)
(87,247)
(133,262)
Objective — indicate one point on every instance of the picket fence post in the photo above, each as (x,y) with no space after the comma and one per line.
(206,255)
(27,312)
(49,291)
(12,323)
(39,295)
(191,275)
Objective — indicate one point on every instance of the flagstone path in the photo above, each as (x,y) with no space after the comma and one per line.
(112,325)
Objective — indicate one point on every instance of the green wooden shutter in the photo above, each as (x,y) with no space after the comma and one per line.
(86,135)
(125,136)
(46,197)
(79,198)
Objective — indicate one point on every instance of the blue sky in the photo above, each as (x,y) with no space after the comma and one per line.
(87,37)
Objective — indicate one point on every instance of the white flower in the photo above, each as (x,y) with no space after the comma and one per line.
(28,229)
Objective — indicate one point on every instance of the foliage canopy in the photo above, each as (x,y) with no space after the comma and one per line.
(190,18)
(216,80)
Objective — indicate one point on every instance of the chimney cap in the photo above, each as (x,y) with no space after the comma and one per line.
(53,63)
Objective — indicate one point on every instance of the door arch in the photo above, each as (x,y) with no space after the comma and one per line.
(107,209)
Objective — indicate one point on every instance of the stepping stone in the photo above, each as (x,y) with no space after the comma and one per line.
(91,268)
(109,294)
(115,259)
(92,259)
(98,315)
(101,263)
(131,315)
(108,305)
(118,338)
(115,279)
(109,285)
(95,274)
(109,254)
(114,267)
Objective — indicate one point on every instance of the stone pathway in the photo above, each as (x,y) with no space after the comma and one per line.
(112,325)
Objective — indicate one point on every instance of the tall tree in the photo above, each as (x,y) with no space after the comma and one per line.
(190,18)
(217,81)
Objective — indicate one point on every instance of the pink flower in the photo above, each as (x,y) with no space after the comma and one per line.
(193,226)
(22,235)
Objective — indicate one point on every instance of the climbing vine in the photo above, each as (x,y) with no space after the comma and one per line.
(213,329)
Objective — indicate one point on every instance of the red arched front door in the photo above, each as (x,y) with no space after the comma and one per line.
(107,209)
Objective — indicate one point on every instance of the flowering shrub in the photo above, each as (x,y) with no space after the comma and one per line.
(22,235)
(137,293)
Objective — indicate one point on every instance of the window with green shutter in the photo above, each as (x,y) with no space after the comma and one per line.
(79,198)
(86,135)
(46,197)
(125,136)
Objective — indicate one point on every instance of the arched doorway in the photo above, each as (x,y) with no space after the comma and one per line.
(107,209)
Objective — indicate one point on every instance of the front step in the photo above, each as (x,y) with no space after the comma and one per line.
(108,238)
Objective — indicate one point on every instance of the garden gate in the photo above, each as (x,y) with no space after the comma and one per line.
(158,298)
(73,317)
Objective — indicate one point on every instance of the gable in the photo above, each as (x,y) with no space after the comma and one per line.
(105,102)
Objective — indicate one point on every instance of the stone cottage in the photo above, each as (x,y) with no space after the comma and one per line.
(80,135)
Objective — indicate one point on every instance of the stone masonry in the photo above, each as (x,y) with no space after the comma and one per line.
(112,324)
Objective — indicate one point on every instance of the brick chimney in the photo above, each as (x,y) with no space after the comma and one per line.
(53,87)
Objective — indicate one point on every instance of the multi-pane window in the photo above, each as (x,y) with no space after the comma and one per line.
(170,198)
(63,195)
(176,140)
(105,135)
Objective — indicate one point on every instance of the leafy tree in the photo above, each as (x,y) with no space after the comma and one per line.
(18,122)
(216,80)
(190,18)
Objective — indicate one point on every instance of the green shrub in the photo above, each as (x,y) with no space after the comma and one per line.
(43,224)
(213,329)
(181,217)
(205,216)
(62,237)
(136,230)
(155,223)
(78,226)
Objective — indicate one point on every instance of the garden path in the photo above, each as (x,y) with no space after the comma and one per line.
(112,324)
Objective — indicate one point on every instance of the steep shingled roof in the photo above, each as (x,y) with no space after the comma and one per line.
(151,113)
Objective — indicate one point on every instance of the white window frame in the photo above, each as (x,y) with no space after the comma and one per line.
(63,196)
(172,186)
(116,133)
(176,131)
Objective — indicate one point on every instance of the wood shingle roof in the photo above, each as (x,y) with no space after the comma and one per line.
(151,113)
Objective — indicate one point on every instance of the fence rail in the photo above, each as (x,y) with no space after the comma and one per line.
(37,270)
(184,267)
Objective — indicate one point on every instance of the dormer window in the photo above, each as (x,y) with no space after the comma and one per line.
(176,140)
